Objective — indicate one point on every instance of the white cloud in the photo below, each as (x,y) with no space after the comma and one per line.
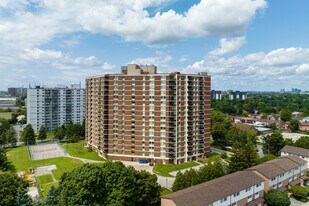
(159,60)
(228,45)
(257,71)
(126,18)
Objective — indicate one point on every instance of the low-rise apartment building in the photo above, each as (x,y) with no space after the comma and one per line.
(298,151)
(243,188)
(239,188)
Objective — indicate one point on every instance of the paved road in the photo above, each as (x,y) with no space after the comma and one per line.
(298,203)
(220,151)
(261,154)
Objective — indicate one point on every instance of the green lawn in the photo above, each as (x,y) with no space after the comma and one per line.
(20,161)
(77,150)
(44,188)
(213,156)
(5,115)
(44,179)
(50,135)
(165,192)
(165,169)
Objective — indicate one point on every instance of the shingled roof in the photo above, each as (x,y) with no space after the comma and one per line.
(295,150)
(214,190)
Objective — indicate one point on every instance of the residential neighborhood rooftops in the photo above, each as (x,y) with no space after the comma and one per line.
(245,127)
(220,188)
(295,150)
(284,163)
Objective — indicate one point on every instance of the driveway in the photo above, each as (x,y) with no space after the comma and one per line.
(298,203)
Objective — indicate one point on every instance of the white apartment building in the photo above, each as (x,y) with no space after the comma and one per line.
(54,107)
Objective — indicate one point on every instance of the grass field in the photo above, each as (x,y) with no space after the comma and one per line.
(77,150)
(20,161)
(165,192)
(165,169)
(213,156)
(5,115)
(44,179)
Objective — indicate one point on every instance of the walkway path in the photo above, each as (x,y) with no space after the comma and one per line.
(85,160)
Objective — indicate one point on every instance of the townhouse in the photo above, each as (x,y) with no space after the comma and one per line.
(243,188)
(239,188)
(298,151)
(281,173)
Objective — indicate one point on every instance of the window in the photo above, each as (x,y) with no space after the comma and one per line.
(273,179)
(236,194)
(248,189)
(234,204)
(256,195)
(223,199)
(259,184)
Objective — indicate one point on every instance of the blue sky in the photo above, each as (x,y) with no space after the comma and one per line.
(242,44)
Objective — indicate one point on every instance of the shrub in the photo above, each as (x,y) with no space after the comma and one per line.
(299,192)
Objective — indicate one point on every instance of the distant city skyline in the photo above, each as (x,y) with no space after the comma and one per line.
(243,44)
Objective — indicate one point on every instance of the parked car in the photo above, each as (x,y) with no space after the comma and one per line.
(143,161)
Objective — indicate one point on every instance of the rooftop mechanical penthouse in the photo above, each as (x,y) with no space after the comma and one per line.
(140,114)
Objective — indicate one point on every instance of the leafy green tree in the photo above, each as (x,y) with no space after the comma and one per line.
(273,143)
(3,160)
(147,188)
(59,133)
(11,137)
(109,184)
(212,170)
(42,133)
(51,197)
(299,192)
(294,125)
(302,142)
(187,179)
(9,184)
(27,135)
(288,141)
(285,115)
(266,158)
(22,198)
(74,132)
(264,116)
(277,198)
(243,157)
(220,131)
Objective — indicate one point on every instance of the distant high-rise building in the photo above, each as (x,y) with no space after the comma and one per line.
(295,90)
(54,107)
(216,94)
(237,95)
(142,115)
(17,91)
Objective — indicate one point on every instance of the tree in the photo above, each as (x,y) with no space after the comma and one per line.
(9,184)
(277,198)
(74,132)
(294,125)
(42,133)
(288,141)
(147,188)
(11,137)
(302,142)
(273,143)
(3,160)
(59,133)
(244,156)
(51,197)
(27,135)
(109,184)
(22,198)
(192,177)
(285,115)
(266,158)
(187,179)
(212,170)
(299,192)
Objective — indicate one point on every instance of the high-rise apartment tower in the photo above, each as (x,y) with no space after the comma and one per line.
(140,114)
(54,107)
